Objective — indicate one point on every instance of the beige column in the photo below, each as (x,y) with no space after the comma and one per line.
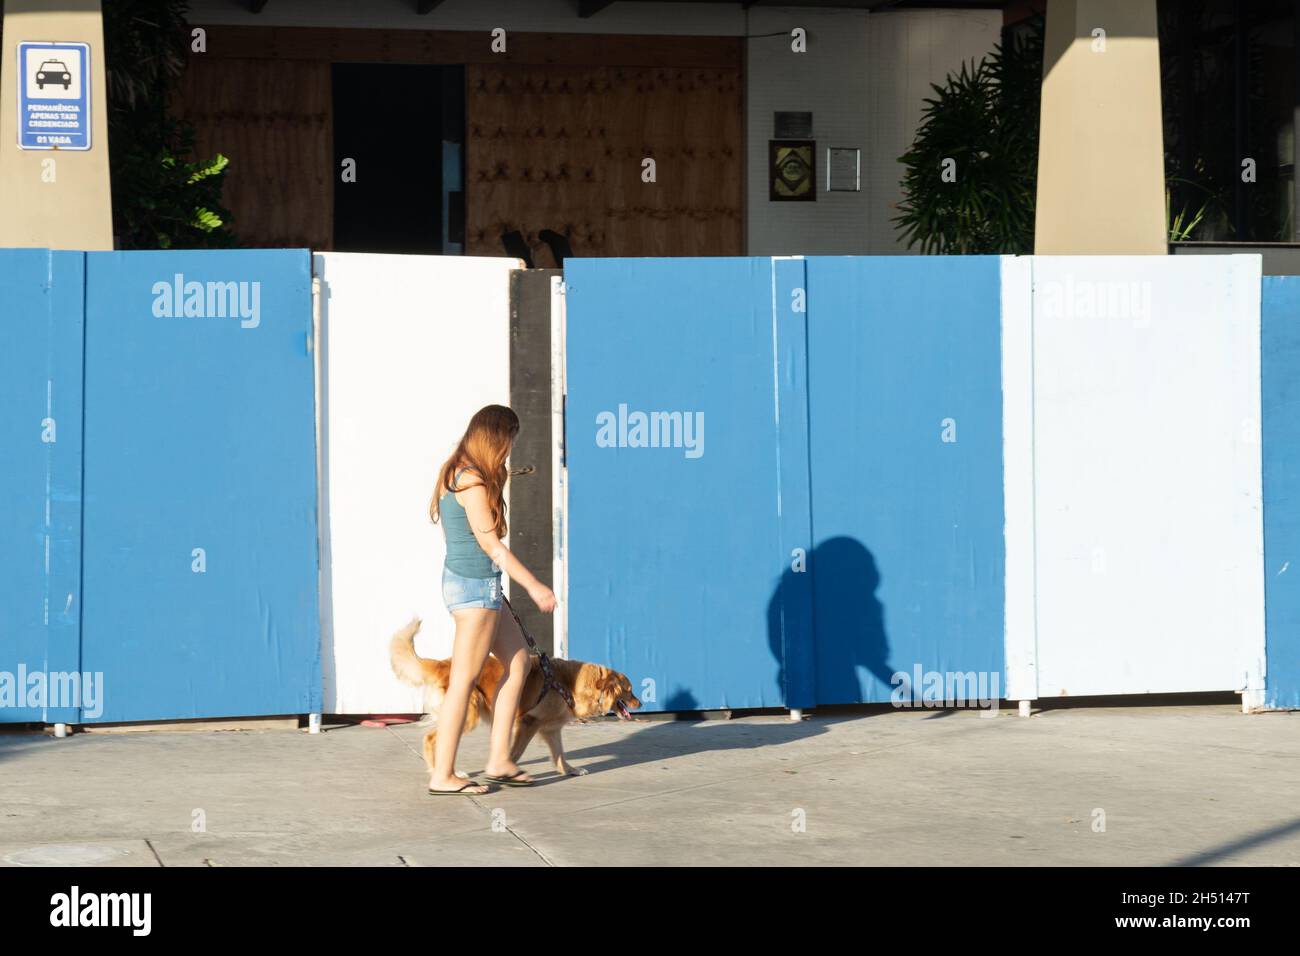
(1101,176)
(65,205)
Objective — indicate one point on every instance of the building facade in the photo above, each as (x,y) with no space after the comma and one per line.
(551,128)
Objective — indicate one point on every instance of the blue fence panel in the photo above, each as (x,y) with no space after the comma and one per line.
(200,547)
(674,552)
(852,486)
(41,294)
(904,370)
(1280,428)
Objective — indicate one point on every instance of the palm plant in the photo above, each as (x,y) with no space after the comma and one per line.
(985,119)
(163,195)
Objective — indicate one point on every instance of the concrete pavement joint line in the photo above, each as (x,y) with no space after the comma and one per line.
(538,853)
(470,797)
(389,730)
(475,800)
(149,844)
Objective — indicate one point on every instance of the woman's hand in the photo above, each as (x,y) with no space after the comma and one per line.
(543,597)
(474,500)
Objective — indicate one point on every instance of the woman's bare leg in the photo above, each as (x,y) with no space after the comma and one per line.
(509,648)
(474,629)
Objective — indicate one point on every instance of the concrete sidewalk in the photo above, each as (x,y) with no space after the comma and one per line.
(1200,785)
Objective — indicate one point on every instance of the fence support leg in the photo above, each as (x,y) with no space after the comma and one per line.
(796,713)
(1024,708)
(313,723)
(60,730)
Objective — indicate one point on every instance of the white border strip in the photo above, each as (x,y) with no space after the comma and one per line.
(559,472)
(1246,271)
(324,591)
(1021,637)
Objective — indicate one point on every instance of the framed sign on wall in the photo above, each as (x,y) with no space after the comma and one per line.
(843,169)
(792,170)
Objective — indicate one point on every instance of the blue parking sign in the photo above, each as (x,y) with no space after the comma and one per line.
(54,96)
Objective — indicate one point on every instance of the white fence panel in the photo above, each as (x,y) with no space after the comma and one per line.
(411,347)
(1148,535)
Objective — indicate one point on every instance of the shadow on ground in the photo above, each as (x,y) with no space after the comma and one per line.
(1219,853)
(12,742)
(672,739)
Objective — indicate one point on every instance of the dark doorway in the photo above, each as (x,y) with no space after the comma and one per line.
(1230,94)
(402,127)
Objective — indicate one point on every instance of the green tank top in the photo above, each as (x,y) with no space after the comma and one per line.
(464,556)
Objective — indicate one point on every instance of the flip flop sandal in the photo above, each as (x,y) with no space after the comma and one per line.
(459,791)
(511,780)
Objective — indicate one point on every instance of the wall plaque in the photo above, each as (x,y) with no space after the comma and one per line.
(792,170)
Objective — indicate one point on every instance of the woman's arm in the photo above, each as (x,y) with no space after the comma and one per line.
(475,502)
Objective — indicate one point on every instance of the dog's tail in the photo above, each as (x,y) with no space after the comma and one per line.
(401,652)
(413,669)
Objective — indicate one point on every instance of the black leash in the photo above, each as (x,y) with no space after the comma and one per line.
(549,681)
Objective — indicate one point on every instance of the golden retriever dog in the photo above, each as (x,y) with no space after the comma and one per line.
(596,691)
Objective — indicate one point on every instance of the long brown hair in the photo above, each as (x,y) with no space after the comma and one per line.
(484,448)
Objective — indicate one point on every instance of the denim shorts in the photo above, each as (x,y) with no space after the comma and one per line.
(460,592)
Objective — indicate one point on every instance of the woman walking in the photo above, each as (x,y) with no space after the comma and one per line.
(469,501)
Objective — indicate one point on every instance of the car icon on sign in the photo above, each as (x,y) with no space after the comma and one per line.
(53,71)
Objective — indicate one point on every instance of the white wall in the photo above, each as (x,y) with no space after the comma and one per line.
(864,78)
(413,345)
(1141,528)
